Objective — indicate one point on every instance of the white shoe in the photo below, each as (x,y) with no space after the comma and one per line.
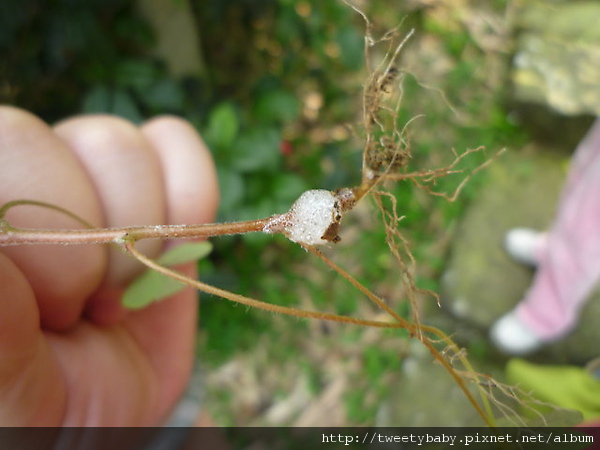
(524,245)
(511,336)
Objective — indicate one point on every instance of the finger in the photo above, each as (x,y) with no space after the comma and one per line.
(36,165)
(127,176)
(188,170)
(166,329)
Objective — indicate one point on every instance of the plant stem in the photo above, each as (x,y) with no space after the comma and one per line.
(10,235)
(248,301)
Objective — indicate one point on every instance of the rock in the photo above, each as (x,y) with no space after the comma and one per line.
(425,395)
(481,283)
(557,60)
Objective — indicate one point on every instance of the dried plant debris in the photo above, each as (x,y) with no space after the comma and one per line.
(386,157)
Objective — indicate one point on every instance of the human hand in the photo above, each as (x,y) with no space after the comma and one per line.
(70,355)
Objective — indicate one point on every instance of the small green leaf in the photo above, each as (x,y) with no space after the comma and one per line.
(102,99)
(231,186)
(287,187)
(152,286)
(185,253)
(222,126)
(124,105)
(277,106)
(258,149)
(351,45)
(164,94)
(135,73)
(98,99)
(149,287)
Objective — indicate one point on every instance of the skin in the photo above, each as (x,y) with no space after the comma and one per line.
(70,355)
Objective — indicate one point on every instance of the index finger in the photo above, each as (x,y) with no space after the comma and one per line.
(35,164)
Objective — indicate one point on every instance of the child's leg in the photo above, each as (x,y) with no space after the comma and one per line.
(569,267)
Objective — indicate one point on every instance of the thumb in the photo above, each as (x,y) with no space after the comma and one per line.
(29,375)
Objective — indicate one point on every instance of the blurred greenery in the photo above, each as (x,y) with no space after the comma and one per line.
(279,82)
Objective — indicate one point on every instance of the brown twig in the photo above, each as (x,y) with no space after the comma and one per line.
(11,235)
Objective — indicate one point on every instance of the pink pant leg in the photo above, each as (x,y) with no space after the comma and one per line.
(585,154)
(569,267)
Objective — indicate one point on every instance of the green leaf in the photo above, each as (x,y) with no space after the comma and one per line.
(231,187)
(152,286)
(135,73)
(277,106)
(258,149)
(222,126)
(124,105)
(97,100)
(185,253)
(164,94)
(287,187)
(351,46)
(102,99)
(570,387)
